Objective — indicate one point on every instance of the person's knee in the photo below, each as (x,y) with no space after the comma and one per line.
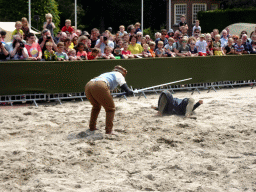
(110,109)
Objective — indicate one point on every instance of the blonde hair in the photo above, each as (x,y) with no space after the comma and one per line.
(71,50)
(217,36)
(121,26)
(48,15)
(137,24)
(24,19)
(171,39)
(68,20)
(49,43)
(81,38)
(18,23)
(152,43)
(160,42)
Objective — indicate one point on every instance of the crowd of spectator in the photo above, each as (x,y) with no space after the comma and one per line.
(73,44)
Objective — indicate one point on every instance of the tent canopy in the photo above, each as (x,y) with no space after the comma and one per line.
(9,27)
(237,28)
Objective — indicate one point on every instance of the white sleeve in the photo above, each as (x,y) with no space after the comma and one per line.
(97,42)
(120,79)
(111,44)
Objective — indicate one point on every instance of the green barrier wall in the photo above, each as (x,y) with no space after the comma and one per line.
(69,77)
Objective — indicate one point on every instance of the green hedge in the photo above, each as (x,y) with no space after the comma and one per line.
(219,19)
(69,77)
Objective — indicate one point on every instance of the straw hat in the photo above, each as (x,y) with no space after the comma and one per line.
(120,69)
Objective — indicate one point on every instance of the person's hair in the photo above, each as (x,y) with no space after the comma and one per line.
(17,23)
(31,35)
(197,20)
(216,30)
(152,43)
(251,34)
(160,42)
(81,38)
(121,26)
(94,30)
(230,39)
(125,42)
(48,15)
(217,36)
(71,50)
(191,39)
(60,44)
(163,31)
(137,24)
(224,30)
(49,43)
(68,20)
(3,33)
(135,36)
(45,31)
(95,50)
(129,28)
(107,48)
(79,44)
(171,39)
(67,40)
(235,37)
(182,16)
(145,45)
(24,19)
(239,40)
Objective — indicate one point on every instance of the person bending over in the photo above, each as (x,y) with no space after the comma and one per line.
(168,105)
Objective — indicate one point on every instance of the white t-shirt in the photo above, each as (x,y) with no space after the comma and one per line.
(201,46)
(103,45)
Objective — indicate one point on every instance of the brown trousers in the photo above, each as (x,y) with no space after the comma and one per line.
(98,93)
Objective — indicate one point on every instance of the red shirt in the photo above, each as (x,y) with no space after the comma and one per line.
(33,50)
(69,29)
(126,52)
(91,57)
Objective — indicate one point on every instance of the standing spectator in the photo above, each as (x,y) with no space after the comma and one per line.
(139,36)
(224,39)
(170,33)
(134,47)
(49,54)
(137,28)
(239,48)
(2,34)
(49,24)
(33,48)
(183,22)
(214,33)
(196,27)
(67,27)
(63,37)
(19,51)
(242,33)
(162,38)
(3,52)
(61,55)
(125,52)
(217,50)
(131,30)
(122,30)
(229,48)
(25,28)
(18,26)
(94,36)
(184,31)
(201,46)
(46,37)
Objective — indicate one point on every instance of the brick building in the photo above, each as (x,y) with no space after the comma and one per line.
(189,8)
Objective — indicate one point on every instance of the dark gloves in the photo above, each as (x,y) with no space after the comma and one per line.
(125,88)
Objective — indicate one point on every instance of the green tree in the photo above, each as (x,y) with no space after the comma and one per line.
(14,10)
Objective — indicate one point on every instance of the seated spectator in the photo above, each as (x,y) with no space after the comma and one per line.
(253,38)
(78,32)
(208,37)
(162,38)
(18,26)
(120,43)
(25,28)
(122,30)
(235,38)
(125,52)
(46,37)
(134,47)
(61,55)
(209,49)
(184,31)
(143,41)
(94,54)
(196,27)
(19,51)
(72,55)
(176,35)
(229,48)
(214,33)
(152,46)
(126,37)
(145,52)
(33,48)
(201,46)
(148,39)
(242,33)
(118,53)
(139,37)
(94,36)
(183,50)
(67,27)
(160,52)
(107,53)
(137,27)
(217,50)
(224,39)
(88,46)
(177,44)
(67,44)
(49,24)
(2,38)
(81,54)
(239,48)
(131,30)
(169,47)
(74,41)
(193,49)
(157,35)
(49,54)
(246,44)
(3,52)
(170,33)
(253,47)
(104,41)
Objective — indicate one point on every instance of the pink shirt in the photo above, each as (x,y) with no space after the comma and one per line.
(33,50)
(126,52)
(79,54)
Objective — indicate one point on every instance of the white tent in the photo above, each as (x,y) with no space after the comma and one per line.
(9,27)
(237,28)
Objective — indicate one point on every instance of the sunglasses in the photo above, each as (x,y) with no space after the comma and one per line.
(184,41)
(192,44)
(138,35)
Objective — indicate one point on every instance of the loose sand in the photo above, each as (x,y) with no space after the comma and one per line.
(39,150)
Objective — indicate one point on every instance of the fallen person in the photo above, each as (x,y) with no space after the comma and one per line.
(167,105)
(97,91)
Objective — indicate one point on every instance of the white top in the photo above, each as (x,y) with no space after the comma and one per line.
(201,46)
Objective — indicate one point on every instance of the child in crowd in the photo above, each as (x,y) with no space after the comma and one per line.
(94,54)
(18,26)
(81,54)
(143,41)
(122,30)
(25,28)
(201,46)
(67,27)
(107,53)
(160,51)
(2,37)
(145,52)
(126,37)
(137,27)
(169,47)
(183,22)
(183,50)
(61,55)
(152,46)
(196,27)
(239,48)
(117,52)
(72,55)
(209,50)
(49,24)
(49,54)
(217,50)
(125,52)
(229,48)
(193,49)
